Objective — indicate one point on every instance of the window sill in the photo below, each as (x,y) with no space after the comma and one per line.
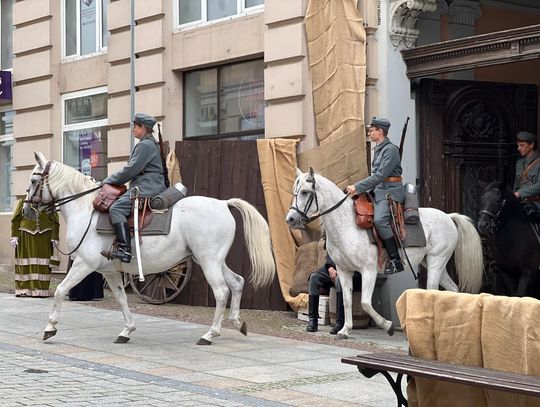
(75,58)
(203,24)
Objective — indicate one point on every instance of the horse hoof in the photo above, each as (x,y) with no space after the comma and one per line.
(203,341)
(342,336)
(391,330)
(122,339)
(243,328)
(48,334)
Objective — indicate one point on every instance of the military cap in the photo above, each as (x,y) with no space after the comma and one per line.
(380,123)
(144,120)
(526,136)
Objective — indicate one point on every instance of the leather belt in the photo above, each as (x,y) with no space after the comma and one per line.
(531,199)
(392,179)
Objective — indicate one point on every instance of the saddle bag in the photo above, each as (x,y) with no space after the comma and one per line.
(363,207)
(107,195)
(410,205)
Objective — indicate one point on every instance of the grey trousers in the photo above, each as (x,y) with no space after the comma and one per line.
(120,209)
(382,219)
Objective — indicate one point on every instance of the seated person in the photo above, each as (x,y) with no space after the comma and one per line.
(527,182)
(326,277)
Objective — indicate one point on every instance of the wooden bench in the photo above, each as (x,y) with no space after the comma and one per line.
(371,364)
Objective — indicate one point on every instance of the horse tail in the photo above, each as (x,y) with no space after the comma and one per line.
(257,237)
(468,255)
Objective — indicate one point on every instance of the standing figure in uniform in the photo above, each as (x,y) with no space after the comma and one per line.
(385,179)
(144,170)
(527,183)
(34,239)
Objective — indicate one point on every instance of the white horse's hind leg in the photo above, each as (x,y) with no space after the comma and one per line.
(114,279)
(447,283)
(235,284)
(78,271)
(214,276)
(369,279)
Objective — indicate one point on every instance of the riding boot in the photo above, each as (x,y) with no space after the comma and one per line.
(313,314)
(340,314)
(122,250)
(393,265)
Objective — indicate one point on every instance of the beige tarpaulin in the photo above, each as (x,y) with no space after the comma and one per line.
(173,168)
(495,332)
(337,58)
(277,160)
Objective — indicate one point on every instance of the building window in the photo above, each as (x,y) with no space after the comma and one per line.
(85,132)
(194,12)
(6,29)
(6,160)
(84,27)
(226,101)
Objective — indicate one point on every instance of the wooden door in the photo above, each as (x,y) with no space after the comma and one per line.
(467,136)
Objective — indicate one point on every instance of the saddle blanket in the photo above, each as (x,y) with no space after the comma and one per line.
(160,224)
(415,236)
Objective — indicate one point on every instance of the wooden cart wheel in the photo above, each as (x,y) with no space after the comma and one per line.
(162,287)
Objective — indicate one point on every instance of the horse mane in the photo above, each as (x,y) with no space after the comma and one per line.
(513,207)
(63,177)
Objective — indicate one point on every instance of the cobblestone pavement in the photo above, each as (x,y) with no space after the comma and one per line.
(161,365)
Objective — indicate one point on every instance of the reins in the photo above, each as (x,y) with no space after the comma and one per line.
(54,205)
(313,198)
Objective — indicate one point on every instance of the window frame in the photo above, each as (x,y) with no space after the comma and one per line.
(218,135)
(3,138)
(83,125)
(100,49)
(241,11)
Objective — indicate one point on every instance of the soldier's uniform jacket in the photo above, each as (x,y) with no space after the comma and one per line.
(386,163)
(144,169)
(529,187)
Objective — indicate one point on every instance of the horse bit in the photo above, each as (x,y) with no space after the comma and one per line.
(313,198)
(494,219)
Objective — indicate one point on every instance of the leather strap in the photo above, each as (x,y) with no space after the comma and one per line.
(392,179)
(527,170)
(531,199)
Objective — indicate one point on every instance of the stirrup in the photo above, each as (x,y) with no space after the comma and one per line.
(124,257)
(393,266)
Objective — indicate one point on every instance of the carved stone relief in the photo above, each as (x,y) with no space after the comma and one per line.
(403,17)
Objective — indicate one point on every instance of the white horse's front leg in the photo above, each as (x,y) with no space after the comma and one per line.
(345,279)
(368,285)
(78,271)
(114,279)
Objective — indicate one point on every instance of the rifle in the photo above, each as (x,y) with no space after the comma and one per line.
(163,154)
(403,133)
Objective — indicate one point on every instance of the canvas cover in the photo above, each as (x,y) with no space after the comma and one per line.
(337,58)
(277,161)
(495,332)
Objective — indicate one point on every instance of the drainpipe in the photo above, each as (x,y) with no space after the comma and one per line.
(132,71)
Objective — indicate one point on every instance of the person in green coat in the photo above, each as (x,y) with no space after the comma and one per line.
(34,240)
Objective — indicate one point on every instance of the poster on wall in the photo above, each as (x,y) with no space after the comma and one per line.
(5,86)
(91,154)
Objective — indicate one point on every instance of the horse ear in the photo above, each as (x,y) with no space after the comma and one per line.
(298,172)
(482,185)
(40,158)
(311,173)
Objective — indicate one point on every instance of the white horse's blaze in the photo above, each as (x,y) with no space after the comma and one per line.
(201,227)
(351,250)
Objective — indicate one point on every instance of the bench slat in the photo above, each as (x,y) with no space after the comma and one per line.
(469,375)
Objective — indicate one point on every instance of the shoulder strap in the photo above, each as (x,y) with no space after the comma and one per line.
(527,170)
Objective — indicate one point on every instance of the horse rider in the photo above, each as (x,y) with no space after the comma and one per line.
(144,170)
(384,179)
(527,182)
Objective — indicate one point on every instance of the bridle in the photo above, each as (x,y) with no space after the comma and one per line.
(494,219)
(304,218)
(36,200)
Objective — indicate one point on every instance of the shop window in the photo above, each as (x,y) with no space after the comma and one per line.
(6,160)
(6,29)
(191,12)
(85,132)
(226,101)
(84,27)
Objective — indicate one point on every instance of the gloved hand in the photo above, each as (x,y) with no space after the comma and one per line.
(54,243)
(14,241)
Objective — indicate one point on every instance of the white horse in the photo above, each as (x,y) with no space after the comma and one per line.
(201,227)
(350,247)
